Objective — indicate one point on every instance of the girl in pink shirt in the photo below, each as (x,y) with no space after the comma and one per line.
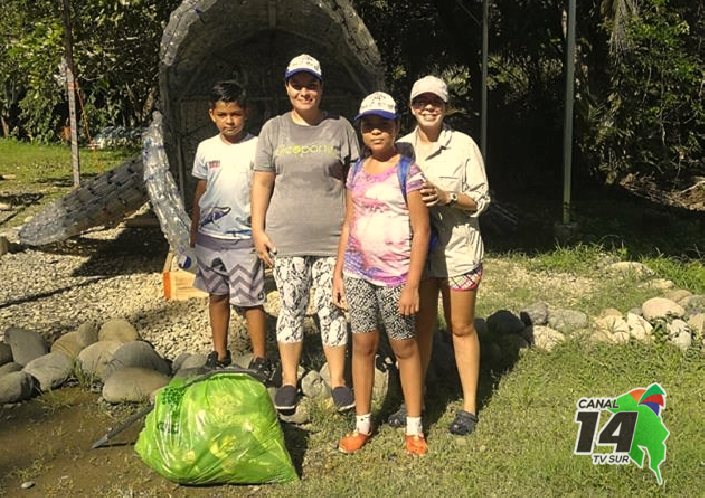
(380,261)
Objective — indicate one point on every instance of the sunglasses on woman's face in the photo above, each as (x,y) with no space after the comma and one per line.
(425,101)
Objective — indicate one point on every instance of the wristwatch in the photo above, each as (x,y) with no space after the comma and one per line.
(453,199)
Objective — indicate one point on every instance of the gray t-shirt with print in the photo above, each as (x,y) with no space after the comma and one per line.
(311,163)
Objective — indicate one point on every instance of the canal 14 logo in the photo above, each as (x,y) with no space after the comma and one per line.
(633,430)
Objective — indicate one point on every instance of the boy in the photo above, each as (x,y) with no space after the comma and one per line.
(221,231)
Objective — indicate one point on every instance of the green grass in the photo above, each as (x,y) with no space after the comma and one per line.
(44,173)
(524,443)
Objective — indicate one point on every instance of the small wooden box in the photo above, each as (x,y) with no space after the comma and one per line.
(177,283)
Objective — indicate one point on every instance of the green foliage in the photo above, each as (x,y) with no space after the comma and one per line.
(116,47)
(651,119)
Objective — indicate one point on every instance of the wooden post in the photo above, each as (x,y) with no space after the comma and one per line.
(569,97)
(71,91)
(483,102)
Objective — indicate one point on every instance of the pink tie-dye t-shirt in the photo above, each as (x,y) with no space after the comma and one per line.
(379,243)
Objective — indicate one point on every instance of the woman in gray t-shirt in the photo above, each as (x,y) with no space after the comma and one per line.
(297,211)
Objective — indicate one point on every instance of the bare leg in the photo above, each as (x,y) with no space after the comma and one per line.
(219,314)
(426,320)
(460,315)
(409,360)
(256,330)
(291,356)
(335,356)
(364,348)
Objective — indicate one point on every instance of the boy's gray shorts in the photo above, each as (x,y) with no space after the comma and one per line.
(230,267)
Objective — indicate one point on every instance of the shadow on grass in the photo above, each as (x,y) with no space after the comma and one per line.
(442,383)
(296,441)
(612,217)
(66,181)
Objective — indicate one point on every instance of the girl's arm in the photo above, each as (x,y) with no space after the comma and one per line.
(338,289)
(262,186)
(418,214)
(196,211)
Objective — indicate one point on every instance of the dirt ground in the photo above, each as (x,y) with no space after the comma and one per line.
(55,453)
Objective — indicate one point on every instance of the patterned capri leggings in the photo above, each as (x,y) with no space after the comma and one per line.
(294,276)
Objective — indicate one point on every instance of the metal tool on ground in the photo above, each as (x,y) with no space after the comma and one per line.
(122,426)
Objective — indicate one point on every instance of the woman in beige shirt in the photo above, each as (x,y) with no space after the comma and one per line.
(456,192)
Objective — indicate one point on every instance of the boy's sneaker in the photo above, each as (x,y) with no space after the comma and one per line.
(352,443)
(285,398)
(415,445)
(343,398)
(212,360)
(262,367)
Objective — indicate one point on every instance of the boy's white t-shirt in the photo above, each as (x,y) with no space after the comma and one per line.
(227,169)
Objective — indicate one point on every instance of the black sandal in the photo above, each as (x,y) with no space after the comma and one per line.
(463,423)
(398,418)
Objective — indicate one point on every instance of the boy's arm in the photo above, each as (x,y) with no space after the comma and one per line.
(262,186)
(418,215)
(196,211)
(338,289)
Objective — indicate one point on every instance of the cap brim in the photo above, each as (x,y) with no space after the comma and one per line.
(383,114)
(289,74)
(414,95)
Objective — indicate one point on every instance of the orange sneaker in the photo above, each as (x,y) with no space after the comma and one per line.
(352,443)
(416,445)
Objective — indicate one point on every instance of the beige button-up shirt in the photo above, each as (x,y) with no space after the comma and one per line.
(455,164)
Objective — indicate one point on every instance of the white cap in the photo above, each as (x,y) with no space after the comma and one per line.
(429,84)
(303,63)
(379,104)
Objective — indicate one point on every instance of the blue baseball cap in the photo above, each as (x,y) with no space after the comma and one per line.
(378,104)
(303,63)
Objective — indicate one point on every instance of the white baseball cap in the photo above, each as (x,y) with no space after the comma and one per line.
(378,104)
(303,63)
(429,84)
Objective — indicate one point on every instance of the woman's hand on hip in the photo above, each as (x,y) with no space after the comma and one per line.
(264,247)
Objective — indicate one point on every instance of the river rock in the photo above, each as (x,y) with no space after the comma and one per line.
(132,384)
(50,370)
(631,267)
(136,354)
(118,330)
(95,357)
(639,328)
(683,340)
(535,314)
(567,321)
(313,386)
(69,344)
(677,295)
(26,345)
(660,307)
(194,360)
(87,333)
(546,338)
(188,372)
(612,324)
(5,353)
(697,324)
(10,367)
(694,303)
(15,387)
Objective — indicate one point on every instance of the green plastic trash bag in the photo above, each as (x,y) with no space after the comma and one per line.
(216,429)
